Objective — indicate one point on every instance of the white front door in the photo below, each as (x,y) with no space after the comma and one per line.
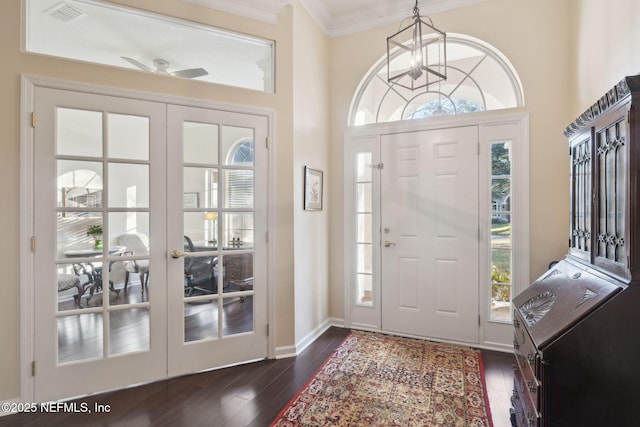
(429,233)
(118,184)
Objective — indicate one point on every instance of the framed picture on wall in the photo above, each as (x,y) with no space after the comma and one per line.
(312,189)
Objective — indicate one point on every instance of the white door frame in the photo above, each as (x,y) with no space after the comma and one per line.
(493,335)
(27,217)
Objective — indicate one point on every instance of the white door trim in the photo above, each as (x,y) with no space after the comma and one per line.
(26,203)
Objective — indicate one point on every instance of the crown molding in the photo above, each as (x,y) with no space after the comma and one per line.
(260,10)
(374,14)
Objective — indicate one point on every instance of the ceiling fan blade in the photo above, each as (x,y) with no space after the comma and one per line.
(191,73)
(137,64)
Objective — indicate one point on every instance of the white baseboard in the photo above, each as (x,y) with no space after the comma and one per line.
(307,340)
(286,351)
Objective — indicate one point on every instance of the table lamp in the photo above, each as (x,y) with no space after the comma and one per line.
(211,216)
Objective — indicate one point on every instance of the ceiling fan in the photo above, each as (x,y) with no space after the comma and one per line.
(162,67)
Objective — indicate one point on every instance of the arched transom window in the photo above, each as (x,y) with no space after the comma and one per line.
(479,78)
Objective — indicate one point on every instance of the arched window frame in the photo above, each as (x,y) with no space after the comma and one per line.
(452,39)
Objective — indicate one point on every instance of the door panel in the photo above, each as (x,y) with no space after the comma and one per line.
(429,199)
(92,334)
(217,296)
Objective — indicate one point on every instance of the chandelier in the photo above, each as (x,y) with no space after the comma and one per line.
(426,63)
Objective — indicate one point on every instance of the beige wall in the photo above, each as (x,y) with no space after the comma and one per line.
(311,148)
(605,48)
(534,36)
(17,63)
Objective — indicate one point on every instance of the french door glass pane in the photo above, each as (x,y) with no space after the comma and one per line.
(79,184)
(79,337)
(128,137)
(238,189)
(128,185)
(237,315)
(238,272)
(125,324)
(200,228)
(74,280)
(200,188)
(200,274)
(79,132)
(200,320)
(237,145)
(200,143)
(72,238)
(238,230)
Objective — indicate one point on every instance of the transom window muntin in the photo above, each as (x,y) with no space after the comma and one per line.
(479,79)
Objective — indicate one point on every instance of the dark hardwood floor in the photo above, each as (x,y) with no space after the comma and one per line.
(246,395)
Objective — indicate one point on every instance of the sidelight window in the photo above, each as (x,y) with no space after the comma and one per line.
(364,235)
(501,226)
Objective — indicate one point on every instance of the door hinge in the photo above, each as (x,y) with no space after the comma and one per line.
(377,166)
(479,321)
(33,368)
(266,236)
(33,119)
(33,243)
(266,142)
(478,148)
(267,329)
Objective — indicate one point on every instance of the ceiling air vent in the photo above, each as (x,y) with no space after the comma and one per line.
(65,12)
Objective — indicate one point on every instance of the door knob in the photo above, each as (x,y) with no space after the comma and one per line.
(177,254)
(388,243)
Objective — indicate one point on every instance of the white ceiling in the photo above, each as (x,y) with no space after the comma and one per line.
(338,17)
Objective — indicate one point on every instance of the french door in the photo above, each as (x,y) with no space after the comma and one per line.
(429,219)
(218,225)
(149,249)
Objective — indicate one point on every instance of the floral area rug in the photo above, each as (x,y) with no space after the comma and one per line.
(374,379)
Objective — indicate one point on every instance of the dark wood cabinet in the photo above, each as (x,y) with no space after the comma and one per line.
(576,338)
